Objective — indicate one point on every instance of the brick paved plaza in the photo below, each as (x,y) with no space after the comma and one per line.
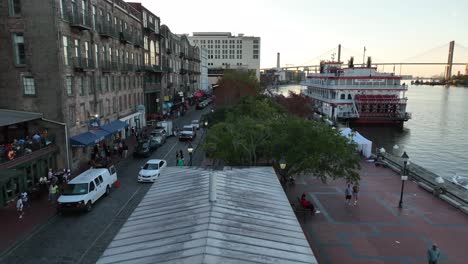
(376,230)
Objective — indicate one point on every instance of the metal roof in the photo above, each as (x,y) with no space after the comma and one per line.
(251,221)
(10,117)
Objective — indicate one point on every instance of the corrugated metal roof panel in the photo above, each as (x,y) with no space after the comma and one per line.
(251,221)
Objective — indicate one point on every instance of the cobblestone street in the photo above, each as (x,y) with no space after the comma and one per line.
(82,237)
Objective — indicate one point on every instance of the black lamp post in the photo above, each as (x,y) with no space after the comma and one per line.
(282,164)
(404,178)
(190,150)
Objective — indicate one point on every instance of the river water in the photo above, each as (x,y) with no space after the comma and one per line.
(437,135)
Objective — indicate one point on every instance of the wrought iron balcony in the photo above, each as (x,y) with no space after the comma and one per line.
(183,71)
(181,55)
(138,41)
(150,27)
(106,30)
(168,51)
(157,68)
(125,37)
(79,20)
(83,64)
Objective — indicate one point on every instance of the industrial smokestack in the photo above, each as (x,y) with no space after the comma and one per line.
(339,52)
(278,65)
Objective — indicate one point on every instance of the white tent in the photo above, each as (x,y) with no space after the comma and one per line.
(364,145)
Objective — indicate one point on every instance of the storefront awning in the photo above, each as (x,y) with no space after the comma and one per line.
(88,138)
(10,117)
(115,126)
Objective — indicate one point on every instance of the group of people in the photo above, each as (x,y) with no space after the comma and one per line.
(22,146)
(351,193)
(49,184)
(102,153)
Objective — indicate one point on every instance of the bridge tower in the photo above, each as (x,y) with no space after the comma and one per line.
(339,53)
(448,71)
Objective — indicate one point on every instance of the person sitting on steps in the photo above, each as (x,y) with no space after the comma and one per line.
(307,204)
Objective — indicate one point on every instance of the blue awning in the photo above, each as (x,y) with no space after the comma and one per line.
(114,126)
(88,138)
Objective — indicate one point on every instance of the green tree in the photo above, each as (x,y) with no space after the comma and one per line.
(258,129)
(314,148)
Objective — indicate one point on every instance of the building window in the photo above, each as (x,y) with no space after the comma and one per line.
(77,48)
(14,7)
(18,43)
(96,55)
(108,104)
(28,85)
(89,84)
(66,51)
(255,57)
(114,105)
(80,85)
(82,113)
(71,115)
(94,16)
(69,85)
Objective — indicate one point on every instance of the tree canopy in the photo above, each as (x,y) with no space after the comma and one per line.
(259,130)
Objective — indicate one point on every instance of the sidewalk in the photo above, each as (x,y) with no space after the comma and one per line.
(376,230)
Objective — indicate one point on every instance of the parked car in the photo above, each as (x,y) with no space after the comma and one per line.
(85,189)
(159,136)
(143,149)
(151,170)
(188,133)
(196,124)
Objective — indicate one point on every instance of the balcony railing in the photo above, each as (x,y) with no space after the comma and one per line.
(125,37)
(138,41)
(181,55)
(150,27)
(106,30)
(168,51)
(82,64)
(79,20)
(157,68)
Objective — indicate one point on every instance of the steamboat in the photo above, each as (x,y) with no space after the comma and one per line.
(357,94)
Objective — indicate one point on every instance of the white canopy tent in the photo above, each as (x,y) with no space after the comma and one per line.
(364,145)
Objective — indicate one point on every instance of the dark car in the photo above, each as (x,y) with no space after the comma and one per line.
(143,149)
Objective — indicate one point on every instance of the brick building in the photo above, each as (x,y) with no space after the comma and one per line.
(73,61)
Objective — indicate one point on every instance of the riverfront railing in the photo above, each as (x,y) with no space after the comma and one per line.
(422,175)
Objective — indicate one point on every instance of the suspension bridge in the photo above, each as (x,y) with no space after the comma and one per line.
(435,58)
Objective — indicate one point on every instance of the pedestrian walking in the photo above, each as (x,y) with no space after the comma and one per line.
(180,162)
(125,150)
(177,158)
(181,155)
(53,189)
(348,194)
(19,207)
(43,184)
(433,254)
(25,199)
(355,193)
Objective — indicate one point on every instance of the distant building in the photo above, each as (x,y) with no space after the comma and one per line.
(466,69)
(205,84)
(228,51)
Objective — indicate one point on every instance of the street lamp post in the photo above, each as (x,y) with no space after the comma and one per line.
(404,178)
(282,164)
(190,150)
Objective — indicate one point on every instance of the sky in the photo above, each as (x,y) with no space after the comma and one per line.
(304,31)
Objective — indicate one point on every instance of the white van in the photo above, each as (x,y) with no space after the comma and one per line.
(85,189)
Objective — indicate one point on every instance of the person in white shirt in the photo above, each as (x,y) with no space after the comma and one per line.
(24,197)
(19,207)
(50,174)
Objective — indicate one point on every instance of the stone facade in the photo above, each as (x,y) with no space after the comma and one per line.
(84,58)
